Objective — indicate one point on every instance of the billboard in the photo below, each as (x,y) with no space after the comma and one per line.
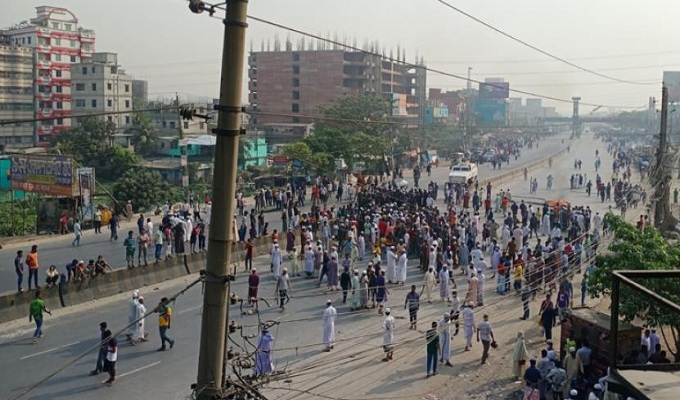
(490,112)
(494,90)
(671,79)
(47,174)
(399,105)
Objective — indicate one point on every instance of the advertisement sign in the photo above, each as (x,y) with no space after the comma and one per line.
(399,105)
(46,174)
(490,112)
(494,90)
(280,161)
(672,81)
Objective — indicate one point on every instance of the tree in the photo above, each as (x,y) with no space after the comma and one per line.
(144,135)
(635,249)
(143,187)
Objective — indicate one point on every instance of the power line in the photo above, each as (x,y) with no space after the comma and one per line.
(433,70)
(538,49)
(612,56)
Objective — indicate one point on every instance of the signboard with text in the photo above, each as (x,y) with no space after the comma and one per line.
(45,174)
(494,90)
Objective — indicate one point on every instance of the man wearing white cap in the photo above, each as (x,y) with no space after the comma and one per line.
(139,333)
(445,340)
(573,395)
(389,325)
(132,314)
(574,367)
(282,287)
(391,262)
(596,394)
(276,260)
(401,268)
(329,316)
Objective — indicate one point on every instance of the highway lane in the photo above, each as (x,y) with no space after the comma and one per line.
(145,373)
(58,250)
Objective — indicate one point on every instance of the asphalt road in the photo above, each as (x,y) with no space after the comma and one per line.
(145,373)
(57,250)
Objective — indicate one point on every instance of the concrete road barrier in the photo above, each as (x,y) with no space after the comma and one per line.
(15,305)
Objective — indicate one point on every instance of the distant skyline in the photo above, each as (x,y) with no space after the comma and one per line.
(176,51)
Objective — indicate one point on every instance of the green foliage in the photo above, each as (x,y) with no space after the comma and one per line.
(144,135)
(17,217)
(144,187)
(91,145)
(634,249)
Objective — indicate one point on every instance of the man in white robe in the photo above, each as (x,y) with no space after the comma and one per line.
(264,363)
(444,284)
(391,268)
(468,324)
(444,329)
(329,316)
(132,314)
(276,260)
(389,325)
(429,283)
(401,267)
(139,333)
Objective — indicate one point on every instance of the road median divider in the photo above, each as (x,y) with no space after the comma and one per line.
(15,305)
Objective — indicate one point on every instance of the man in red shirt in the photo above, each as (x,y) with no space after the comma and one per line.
(32,264)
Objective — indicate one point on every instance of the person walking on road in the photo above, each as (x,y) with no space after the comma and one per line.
(485,333)
(445,340)
(77,233)
(329,316)
(33,266)
(282,288)
(468,324)
(253,285)
(432,340)
(113,227)
(111,357)
(164,317)
(132,314)
(130,247)
(389,325)
(264,363)
(19,269)
(102,349)
(36,309)
(413,304)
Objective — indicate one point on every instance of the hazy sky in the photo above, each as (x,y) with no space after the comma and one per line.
(175,50)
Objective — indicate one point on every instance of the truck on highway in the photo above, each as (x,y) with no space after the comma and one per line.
(463,172)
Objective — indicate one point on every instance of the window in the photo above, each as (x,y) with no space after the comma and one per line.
(109,86)
(127,103)
(94,86)
(60,121)
(57,57)
(29,40)
(296,69)
(165,124)
(80,87)
(57,42)
(296,120)
(55,25)
(127,88)
(296,82)
(109,103)
(59,89)
(72,43)
(67,27)
(201,125)
(74,59)
(93,70)
(58,74)
(296,108)
(296,95)
(186,125)
(86,47)
(84,71)
(80,102)
(127,119)
(23,40)
(172,124)
(94,103)
(60,105)
(296,56)
(110,118)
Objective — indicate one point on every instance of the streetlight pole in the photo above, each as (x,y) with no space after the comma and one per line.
(220,238)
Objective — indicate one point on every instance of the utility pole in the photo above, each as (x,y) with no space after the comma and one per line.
(179,118)
(211,374)
(662,175)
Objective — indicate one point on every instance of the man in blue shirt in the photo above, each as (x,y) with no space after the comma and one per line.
(532,380)
(19,269)
(413,304)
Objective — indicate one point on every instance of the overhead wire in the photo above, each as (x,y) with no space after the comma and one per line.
(538,49)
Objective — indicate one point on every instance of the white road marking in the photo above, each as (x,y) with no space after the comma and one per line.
(189,309)
(134,371)
(48,351)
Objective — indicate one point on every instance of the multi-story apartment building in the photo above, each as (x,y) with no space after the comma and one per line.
(289,86)
(57,41)
(100,85)
(16,94)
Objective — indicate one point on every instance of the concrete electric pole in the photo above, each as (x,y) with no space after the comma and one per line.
(663,219)
(211,374)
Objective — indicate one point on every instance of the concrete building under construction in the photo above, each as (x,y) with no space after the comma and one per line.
(288,86)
